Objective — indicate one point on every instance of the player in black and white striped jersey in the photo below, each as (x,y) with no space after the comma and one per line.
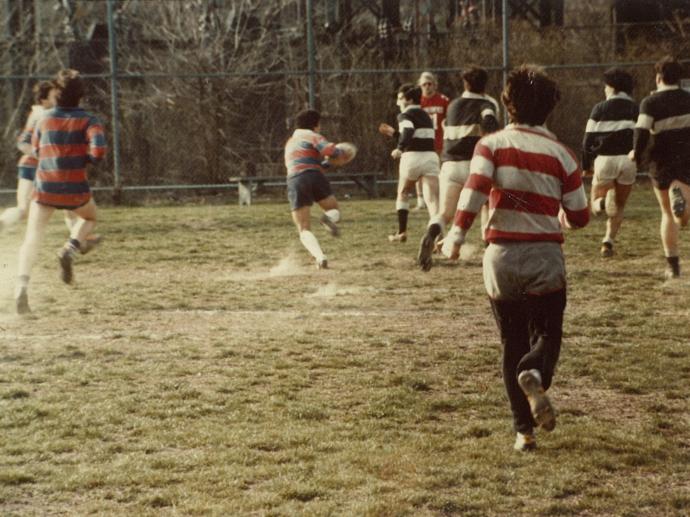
(665,115)
(607,142)
(418,159)
(470,116)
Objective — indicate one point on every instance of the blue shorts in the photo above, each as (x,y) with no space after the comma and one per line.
(307,187)
(26,172)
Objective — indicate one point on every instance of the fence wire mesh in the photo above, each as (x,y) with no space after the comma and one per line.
(206,88)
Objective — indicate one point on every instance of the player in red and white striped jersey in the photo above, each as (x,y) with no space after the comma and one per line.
(534,187)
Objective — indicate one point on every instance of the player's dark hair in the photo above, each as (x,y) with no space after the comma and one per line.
(530,95)
(70,88)
(619,80)
(307,119)
(475,79)
(669,69)
(411,92)
(41,90)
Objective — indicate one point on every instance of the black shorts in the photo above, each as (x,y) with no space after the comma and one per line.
(664,176)
(307,187)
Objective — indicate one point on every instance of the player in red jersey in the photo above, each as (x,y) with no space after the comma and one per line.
(436,105)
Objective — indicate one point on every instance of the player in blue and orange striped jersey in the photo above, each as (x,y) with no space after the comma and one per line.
(306,155)
(26,167)
(65,140)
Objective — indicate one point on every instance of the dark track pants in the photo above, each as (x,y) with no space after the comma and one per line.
(531,332)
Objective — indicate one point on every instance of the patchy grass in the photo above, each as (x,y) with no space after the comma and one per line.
(202,365)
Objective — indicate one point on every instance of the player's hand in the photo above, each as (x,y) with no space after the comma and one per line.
(386,129)
(396,153)
(631,155)
(563,219)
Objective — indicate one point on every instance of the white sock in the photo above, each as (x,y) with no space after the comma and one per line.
(10,217)
(333,214)
(402,205)
(598,206)
(438,219)
(310,242)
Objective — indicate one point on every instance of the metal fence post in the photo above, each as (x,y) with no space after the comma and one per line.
(112,48)
(311,55)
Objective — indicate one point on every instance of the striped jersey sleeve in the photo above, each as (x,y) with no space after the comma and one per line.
(306,150)
(527,176)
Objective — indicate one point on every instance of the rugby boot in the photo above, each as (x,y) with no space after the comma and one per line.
(677,202)
(540,405)
(330,225)
(525,442)
(66,256)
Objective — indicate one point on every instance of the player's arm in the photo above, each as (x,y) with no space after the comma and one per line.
(489,123)
(642,133)
(406,132)
(589,140)
(24,142)
(474,193)
(35,141)
(388,130)
(575,208)
(24,138)
(95,136)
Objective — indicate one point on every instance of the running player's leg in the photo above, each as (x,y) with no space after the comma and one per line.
(430,192)
(682,188)
(421,202)
(669,230)
(302,218)
(81,229)
(402,206)
(449,195)
(13,215)
(598,195)
(613,223)
(331,214)
(301,198)
(85,223)
(435,226)
(38,218)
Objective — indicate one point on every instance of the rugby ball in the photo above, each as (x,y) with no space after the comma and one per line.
(350,151)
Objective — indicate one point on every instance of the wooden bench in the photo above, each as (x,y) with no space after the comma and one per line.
(247,186)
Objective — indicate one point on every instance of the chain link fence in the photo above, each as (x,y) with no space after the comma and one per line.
(195,92)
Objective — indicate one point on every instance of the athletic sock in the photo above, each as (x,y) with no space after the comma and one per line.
(74,244)
(333,214)
(434,230)
(23,281)
(310,242)
(402,220)
(674,264)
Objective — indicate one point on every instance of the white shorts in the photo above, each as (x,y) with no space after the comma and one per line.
(617,168)
(415,164)
(455,172)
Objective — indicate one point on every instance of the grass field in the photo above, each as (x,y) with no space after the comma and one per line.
(202,366)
